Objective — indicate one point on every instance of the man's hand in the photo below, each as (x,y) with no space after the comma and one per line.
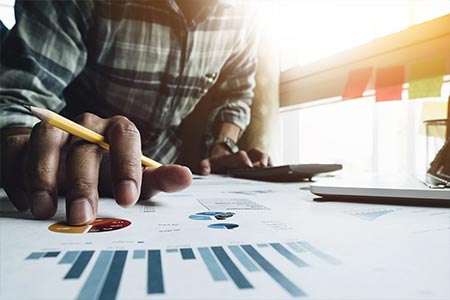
(222,160)
(40,163)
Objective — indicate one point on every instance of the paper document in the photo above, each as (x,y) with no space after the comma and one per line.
(227,238)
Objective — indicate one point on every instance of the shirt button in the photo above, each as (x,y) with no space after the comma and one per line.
(211,76)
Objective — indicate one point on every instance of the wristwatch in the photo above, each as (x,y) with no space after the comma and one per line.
(227,143)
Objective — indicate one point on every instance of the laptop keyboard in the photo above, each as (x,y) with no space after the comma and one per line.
(435,182)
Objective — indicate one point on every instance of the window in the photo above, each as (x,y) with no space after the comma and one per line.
(361,134)
(320,48)
(7,13)
(314,29)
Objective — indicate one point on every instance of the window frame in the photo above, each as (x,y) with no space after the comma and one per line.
(326,78)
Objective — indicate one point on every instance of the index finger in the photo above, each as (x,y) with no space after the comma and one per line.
(232,161)
(125,153)
(259,158)
(44,152)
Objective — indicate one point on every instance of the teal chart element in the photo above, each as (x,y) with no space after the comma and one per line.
(371,215)
(218,215)
(223,226)
(109,267)
(209,215)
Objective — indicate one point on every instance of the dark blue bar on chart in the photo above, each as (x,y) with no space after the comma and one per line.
(273,272)
(232,270)
(286,253)
(155,283)
(52,254)
(35,255)
(187,253)
(96,278)
(211,264)
(112,281)
(69,257)
(79,265)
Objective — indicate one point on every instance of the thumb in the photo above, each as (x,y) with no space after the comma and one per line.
(205,167)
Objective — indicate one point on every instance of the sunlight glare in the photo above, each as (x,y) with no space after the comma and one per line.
(309,30)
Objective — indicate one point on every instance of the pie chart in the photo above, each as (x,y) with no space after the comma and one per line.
(208,215)
(223,226)
(99,225)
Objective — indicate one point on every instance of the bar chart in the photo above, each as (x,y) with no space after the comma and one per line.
(371,215)
(100,273)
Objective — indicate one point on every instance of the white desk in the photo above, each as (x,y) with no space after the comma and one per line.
(279,244)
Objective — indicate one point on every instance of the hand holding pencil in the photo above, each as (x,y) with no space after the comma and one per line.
(77,130)
(38,166)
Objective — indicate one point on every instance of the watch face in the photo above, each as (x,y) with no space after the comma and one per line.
(231,145)
(227,143)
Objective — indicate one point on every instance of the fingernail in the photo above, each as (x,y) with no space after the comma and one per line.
(126,193)
(42,205)
(80,212)
(188,169)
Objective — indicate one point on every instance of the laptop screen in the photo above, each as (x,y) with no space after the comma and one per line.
(440,166)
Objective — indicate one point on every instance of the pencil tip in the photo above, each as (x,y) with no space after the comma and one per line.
(27,107)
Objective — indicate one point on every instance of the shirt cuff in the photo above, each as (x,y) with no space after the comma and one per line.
(234,113)
(13,116)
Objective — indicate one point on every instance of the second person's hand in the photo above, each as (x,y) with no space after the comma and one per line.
(222,160)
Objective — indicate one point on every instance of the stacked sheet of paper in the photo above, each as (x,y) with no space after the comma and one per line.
(227,238)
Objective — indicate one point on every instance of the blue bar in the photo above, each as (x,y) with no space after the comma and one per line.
(139,254)
(112,281)
(211,263)
(296,247)
(262,245)
(155,283)
(35,255)
(52,254)
(79,265)
(286,253)
(96,279)
(319,253)
(236,275)
(69,257)
(244,259)
(187,253)
(172,250)
(273,272)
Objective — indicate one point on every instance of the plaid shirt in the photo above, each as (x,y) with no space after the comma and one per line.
(142,59)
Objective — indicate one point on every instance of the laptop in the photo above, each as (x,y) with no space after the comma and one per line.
(434,185)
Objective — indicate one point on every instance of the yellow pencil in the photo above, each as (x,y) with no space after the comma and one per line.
(76,129)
